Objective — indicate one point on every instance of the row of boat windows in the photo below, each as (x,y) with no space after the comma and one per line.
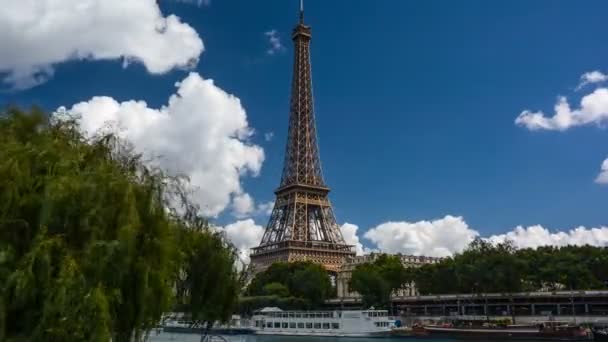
(300,314)
(382,324)
(298,325)
(321,314)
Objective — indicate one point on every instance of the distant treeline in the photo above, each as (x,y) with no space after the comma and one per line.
(296,285)
(487,268)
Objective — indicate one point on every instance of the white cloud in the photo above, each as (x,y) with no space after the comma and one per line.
(243,205)
(536,236)
(349,232)
(593,110)
(275,42)
(265,208)
(441,237)
(202,132)
(244,235)
(592,77)
(268,136)
(602,178)
(37,34)
(449,235)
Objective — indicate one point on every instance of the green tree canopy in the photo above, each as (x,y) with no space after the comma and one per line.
(486,267)
(369,282)
(89,238)
(304,280)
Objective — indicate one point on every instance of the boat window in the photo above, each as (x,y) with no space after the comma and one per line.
(335,325)
(308,325)
(292,325)
(284,325)
(325,325)
(285,315)
(268,324)
(318,315)
(291,315)
(300,325)
(317,325)
(277,324)
(298,315)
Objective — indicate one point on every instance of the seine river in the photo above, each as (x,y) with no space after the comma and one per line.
(164,337)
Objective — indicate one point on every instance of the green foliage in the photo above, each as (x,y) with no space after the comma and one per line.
(484,267)
(378,280)
(90,247)
(305,280)
(276,289)
(375,290)
(208,285)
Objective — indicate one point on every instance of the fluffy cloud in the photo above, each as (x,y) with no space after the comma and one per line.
(441,237)
(265,208)
(275,42)
(349,232)
(592,77)
(449,235)
(202,132)
(38,34)
(536,236)
(243,205)
(244,235)
(602,178)
(593,109)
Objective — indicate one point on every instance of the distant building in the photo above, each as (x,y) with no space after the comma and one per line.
(345,273)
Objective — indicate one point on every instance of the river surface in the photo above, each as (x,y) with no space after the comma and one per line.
(167,337)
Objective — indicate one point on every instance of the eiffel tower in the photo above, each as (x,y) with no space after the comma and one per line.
(302,225)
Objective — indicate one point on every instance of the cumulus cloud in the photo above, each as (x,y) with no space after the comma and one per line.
(265,208)
(275,42)
(593,109)
(349,232)
(243,205)
(37,34)
(602,178)
(449,235)
(591,77)
(244,235)
(536,236)
(202,132)
(441,237)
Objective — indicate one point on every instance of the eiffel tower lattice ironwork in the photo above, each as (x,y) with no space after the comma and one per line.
(302,225)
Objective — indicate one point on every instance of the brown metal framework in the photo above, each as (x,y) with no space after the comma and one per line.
(302,225)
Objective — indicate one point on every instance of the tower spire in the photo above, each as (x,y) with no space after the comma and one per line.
(301,11)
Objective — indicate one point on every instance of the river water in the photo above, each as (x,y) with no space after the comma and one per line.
(165,337)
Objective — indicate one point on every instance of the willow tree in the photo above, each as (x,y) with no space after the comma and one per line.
(88,236)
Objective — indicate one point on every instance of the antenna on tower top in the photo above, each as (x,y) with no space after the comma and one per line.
(301,11)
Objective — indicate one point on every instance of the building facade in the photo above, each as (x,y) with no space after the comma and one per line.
(345,273)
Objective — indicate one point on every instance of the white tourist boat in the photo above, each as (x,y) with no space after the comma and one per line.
(365,323)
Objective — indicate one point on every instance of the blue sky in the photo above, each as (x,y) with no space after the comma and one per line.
(415,101)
